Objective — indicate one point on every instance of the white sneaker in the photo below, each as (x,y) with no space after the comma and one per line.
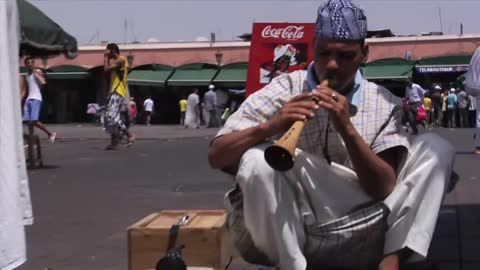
(52,137)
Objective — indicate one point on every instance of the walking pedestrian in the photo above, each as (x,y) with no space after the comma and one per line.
(210,100)
(472,112)
(414,93)
(437,105)
(30,91)
(451,108)
(148,110)
(116,68)
(183,109)
(462,105)
(192,115)
(132,105)
(427,105)
(444,109)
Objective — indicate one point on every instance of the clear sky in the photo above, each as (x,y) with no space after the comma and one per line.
(164,20)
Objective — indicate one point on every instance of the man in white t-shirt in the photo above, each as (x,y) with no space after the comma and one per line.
(148,109)
(30,86)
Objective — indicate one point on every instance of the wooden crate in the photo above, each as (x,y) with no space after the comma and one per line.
(204,236)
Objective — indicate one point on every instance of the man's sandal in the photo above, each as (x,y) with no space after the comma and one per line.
(111,147)
(52,137)
(131,140)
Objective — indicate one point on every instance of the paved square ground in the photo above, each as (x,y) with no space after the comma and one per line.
(85,198)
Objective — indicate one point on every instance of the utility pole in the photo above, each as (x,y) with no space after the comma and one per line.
(125,25)
(440,18)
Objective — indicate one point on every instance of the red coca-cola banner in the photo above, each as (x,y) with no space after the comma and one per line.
(278,48)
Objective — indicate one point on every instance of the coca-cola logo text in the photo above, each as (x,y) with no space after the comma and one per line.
(289,32)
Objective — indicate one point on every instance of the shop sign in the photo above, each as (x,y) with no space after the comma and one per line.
(441,69)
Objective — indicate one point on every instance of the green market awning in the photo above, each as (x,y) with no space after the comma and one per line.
(450,63)
(193,75)
(23,70)
(232,75)
(150,75)
(68,72)
(40,36)
(388,69)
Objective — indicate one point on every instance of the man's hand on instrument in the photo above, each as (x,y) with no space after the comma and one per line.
(337,105)
(299,108)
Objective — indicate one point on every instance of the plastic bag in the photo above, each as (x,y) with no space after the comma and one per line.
(421,114)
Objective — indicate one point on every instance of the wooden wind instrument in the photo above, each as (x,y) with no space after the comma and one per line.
(281,155)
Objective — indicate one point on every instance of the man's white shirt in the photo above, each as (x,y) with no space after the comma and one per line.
(148,105)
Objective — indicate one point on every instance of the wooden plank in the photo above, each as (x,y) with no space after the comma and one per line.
(143,222)
(197,268)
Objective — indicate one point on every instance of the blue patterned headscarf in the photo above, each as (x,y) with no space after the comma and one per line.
(341,20)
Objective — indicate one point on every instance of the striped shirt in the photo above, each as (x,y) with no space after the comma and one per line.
(377,115)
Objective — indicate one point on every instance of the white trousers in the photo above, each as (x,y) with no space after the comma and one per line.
(191,118)
(477,130)
(273,201)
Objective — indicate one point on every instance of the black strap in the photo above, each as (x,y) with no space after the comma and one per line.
(120,80)
(172,238)
(326,154)
(384,125)
(229,263)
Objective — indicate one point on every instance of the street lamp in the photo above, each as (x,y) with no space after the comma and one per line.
(219,57)
(130,58)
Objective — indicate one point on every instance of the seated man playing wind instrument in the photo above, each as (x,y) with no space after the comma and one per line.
(351,152)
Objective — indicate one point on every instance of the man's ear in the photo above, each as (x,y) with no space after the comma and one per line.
(366,52)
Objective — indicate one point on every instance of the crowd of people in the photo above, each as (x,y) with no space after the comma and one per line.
(195,112)
(450,108)
(121,109)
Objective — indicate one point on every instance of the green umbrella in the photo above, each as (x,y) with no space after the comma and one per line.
(40,36)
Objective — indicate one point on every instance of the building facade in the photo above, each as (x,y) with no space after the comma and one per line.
(161,70)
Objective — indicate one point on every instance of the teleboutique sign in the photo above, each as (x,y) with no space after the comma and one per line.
(441,69)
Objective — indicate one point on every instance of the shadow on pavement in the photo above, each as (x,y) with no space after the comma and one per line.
(467,153)
(44,167)
(455,242)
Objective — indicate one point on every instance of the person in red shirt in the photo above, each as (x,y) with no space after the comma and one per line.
(132,109)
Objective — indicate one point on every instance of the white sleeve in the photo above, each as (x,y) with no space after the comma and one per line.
(472,78)
(423,90)
(260,106)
